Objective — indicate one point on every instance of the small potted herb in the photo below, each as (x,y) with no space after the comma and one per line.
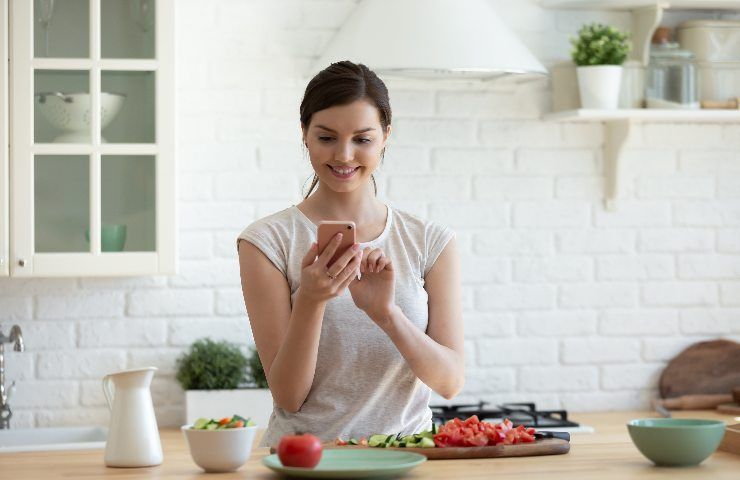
(220,380)
(599,52)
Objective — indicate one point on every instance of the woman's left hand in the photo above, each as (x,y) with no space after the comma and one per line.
(375,292)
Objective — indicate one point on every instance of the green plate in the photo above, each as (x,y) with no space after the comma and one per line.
(355,463)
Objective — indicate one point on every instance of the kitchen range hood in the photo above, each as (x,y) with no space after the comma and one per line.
(430,39)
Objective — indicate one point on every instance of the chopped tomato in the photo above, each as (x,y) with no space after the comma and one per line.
(472,432)
(340,442)
(224,421)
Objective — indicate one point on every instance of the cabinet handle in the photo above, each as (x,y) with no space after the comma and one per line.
(22,262)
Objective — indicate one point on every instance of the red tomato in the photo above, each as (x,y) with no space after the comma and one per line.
(299,450)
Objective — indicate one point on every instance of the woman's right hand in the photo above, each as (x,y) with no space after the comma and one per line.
(316,273)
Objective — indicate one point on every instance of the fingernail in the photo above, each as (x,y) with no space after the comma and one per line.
(355,247)
(339,236)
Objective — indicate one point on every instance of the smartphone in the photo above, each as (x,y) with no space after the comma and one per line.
(328,229)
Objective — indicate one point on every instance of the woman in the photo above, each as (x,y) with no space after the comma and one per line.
(347,357)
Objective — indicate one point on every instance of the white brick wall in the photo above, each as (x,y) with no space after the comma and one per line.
(565,304)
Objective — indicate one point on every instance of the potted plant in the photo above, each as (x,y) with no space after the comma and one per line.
(220,381)
(599,52)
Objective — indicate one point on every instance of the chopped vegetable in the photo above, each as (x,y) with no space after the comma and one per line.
(227,422)
(470,432)
(474,433)
(351,441)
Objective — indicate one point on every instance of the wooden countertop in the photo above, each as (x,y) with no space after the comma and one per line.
(606,454)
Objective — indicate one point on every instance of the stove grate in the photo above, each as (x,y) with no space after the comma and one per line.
(519,413)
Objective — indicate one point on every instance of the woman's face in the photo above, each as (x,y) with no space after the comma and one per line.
(344,143)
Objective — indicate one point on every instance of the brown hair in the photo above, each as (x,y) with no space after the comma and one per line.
(342,83)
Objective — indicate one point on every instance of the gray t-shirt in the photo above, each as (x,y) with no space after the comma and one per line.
(362,384)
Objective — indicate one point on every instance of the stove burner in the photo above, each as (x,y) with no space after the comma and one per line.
(519,413)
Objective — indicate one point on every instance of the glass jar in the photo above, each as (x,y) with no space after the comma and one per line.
(671,77)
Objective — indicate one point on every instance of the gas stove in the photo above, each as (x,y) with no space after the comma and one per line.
(519,413)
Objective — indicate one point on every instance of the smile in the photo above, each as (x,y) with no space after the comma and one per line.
(343,172)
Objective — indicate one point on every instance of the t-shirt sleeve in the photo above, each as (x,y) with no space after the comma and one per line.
(436,237)
(267,242)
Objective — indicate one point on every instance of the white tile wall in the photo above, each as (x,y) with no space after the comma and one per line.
(564,303)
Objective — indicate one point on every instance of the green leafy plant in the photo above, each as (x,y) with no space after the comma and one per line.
(256,371)
(210,365)
(599,44)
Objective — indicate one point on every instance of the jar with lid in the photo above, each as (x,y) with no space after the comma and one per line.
(671,74)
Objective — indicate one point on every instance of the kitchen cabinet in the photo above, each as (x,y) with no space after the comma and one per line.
(92,154)
(646,16)
(4,171)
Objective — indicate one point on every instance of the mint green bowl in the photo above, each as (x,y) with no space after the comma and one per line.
(676,442)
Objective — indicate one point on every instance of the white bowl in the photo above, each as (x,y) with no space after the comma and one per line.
(70,112)
(222,450)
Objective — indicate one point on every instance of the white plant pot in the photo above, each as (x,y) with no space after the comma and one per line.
(599,86)
(255,403)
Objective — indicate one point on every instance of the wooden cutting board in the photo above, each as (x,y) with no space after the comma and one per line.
(731,441)
(549,446)
(729,408)
(711,367)
(732,408)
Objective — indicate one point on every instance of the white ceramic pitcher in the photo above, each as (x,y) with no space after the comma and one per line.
(133,438)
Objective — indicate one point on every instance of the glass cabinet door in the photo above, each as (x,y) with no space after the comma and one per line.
(61,191)
(127,28)
(128,107)
(93,138)
(128,200)
(62,28)
(61,101)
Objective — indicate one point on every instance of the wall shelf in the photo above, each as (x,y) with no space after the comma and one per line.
(646,16)
(617,129)
(646,115)
(633,4)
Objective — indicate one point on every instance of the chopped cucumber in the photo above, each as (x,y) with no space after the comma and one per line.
(376,440)
(418,440)
(426,443)
(200,423)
